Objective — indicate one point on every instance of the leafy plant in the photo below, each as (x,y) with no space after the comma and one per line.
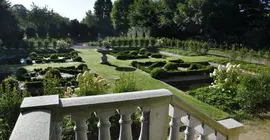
(126,83)
(90,84)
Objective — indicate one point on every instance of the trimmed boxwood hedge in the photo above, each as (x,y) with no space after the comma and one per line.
(127,56)
(82,67)
(156,55)
(170,69)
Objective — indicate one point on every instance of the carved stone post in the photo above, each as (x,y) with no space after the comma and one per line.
(144,123)
(125,123)
(104,124)
(80,126)
(176,115)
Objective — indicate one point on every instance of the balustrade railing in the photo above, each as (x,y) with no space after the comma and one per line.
(41,117)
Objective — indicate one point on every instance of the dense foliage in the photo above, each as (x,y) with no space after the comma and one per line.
(236,92)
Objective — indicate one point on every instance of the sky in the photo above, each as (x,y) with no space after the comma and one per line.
(73,9)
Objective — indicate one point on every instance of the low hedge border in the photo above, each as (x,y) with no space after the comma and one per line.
(154,68)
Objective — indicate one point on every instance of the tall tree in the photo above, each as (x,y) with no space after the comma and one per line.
(74,28)
(9,27)
(102,12)
(90,19)
(53,31)
(142,13)
(119,15)
(63,29)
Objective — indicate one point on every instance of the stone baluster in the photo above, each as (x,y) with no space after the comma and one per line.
(203,130)
(80,126)
(104,124)
(56,127)
(176,115)
(191,123)
(125,123)
(144,134)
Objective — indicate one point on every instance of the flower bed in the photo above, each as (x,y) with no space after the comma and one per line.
(163,69)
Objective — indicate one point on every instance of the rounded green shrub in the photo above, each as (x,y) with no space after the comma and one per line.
(159,73)
(20,74)
(78,59)
(170,66)
(158,64)
(53,56)
(133,53)
(82,67)
(29,62)
(177,61)
(148,54)
(74,53)
(53,73)
(143,50)
(33,55)
(156,55)
(193,67)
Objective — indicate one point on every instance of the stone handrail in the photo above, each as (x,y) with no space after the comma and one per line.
(41,117)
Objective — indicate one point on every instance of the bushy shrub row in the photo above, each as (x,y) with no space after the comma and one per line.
(162,69)
(55,57)
(199,48)
(134,54)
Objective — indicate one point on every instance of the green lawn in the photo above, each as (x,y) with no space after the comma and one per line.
(145,82)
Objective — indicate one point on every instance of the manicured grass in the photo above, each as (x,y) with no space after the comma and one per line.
(145,82)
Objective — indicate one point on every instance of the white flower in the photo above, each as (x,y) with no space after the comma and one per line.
(219,67)
(214,86)
(229,69)
(223,89)
(211,75)
(215,81)
(228,65)
(226,80)
(215,72)
(238,66)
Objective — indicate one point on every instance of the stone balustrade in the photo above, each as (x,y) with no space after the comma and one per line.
(41,117)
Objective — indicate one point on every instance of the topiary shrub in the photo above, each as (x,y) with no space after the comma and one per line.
(82,67)
(148,54)
(159,73)
(33,55)
(20,74)
(193,67)
(53,73)
(78,59)
(143,50)
(53,56)
(134,53)
(29,62)
(74,53)
(170,66)
(158,64)
(156,55)
(177,61)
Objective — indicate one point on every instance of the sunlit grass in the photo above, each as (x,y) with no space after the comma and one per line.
(145,81)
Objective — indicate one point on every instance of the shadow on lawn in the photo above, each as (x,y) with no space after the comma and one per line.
(127,69)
